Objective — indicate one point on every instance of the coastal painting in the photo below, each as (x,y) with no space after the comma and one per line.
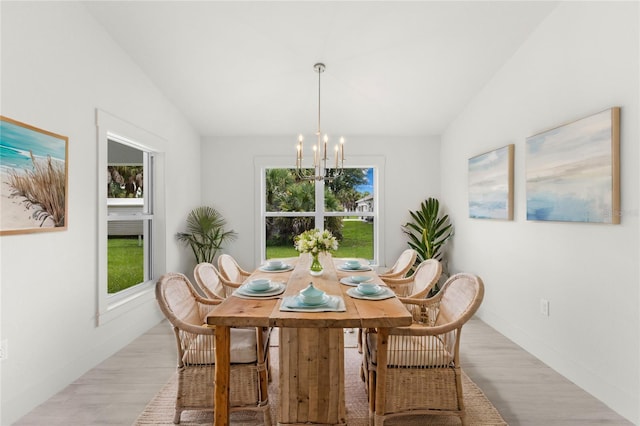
(491,184)
(34,167)
(573,171)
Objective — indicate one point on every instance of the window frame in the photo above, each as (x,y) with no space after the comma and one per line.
(261,164)
(109,127)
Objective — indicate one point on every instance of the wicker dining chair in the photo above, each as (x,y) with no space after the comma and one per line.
(419,372)
(207,278)
(215,286)
(419,284)
(230,270)
(186,311)
(403,264)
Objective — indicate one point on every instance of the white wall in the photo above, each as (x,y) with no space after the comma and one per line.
(58,66)
(582,59)
(412,173)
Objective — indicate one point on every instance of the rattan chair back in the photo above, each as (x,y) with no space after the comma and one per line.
(403,265)
(207,278)
(418,285)
(425,278)
(230,270)
(461,297)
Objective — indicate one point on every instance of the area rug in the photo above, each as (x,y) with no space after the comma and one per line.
(480,411)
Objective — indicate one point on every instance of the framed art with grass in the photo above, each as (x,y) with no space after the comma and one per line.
(573,171)
(491,184)
(34,166)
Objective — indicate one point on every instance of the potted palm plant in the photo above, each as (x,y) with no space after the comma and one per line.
(206,233)
(428,231)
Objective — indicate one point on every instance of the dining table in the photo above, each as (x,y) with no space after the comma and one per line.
(311,341)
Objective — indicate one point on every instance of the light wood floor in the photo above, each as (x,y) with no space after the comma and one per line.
(525,391)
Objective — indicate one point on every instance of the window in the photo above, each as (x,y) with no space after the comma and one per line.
(346,206)
(129,215)
(130,210)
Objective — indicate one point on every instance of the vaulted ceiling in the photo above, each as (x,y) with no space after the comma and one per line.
(392,68)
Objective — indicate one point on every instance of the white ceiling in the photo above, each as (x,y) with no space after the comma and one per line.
(394,68)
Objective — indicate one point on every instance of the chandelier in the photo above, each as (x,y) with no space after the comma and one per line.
(322,164)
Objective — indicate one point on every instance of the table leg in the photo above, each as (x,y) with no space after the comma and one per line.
(222,377)
(311,376)
(381,370)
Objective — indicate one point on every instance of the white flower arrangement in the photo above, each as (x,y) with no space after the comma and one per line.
(315,241)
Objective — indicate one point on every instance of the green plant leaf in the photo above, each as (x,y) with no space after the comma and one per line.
(427,231)
(205,233)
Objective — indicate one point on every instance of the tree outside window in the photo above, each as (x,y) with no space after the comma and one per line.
(291,208)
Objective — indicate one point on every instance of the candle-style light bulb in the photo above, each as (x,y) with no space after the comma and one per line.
(336,150)
(342,148)
(326,139)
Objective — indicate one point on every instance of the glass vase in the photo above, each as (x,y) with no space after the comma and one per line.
(316,266)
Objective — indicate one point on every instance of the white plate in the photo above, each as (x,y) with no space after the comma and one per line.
(385,293)
(259,284)
(284,268)
(348,269)
(293,304)
(360,278)
(379,291)
(347,281)
(275,288)
(302,304)
(296,302)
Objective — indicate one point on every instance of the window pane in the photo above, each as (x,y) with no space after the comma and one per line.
(126,248)
(125,252)
(280,232)
(124,171)
(343,193)
(348,212)
(356,236)
(285,194)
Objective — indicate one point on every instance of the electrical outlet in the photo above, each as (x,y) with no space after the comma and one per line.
(544,307)
(4,352)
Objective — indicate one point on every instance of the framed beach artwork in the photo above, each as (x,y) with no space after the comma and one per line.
(34,166)
(491,184)
(573,171)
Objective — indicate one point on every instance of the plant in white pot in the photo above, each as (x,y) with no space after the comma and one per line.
(428,232)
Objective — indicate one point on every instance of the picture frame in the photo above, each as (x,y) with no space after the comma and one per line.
(573,171)
(491,184)
(34,171)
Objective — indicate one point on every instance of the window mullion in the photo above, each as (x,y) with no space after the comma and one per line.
(319,213)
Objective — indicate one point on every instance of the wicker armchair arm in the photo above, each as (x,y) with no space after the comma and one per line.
(404,280)
(400,286)
(426,327)
(208,302)
(391,275)
(229,286)
(194,329)
(423,311)
(426,330)
(243,272)
(421,302)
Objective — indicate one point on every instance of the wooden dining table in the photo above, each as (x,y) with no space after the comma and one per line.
(311,344)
